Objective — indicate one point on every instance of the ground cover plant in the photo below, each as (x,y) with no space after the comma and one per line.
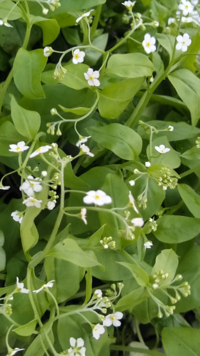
(99,162)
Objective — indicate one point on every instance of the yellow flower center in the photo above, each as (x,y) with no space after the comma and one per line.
(32,200)
(38,150)
(18,148)
(91,77)
(186,6)
(32,184)
(148,44)
(76,56)
(112,318)
(97,197)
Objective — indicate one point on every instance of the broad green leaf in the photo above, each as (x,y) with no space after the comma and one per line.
(71,180)
(6,7)
(2,259)
(8,135)
(176,229)
(159,12)
(28,67)
(36,348)
(170,159)
(50,28)
(92,56)
(70,251)
(96,237)
(181,341)
(167,261)
(146,2)
(192,154)
(2,238)
(190,198)
(76,111)
(78,5)
(187,86)
(26,122)
(130,65)
(166,41)
(190,61)
(121,140)
(115,97)
(138,273)
(27,329)
(132,299)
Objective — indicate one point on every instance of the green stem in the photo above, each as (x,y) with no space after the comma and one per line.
(123,39)
(135,349)
(96,21)
(138,332)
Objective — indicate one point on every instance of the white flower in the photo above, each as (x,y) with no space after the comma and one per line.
(186,19)
(183,42)
(132,202)
(186,7)
(148,244)
(91,76)
(32,202)
(149,43)
(83,215)
(32,185)
(98,293)
(85,149)
(81,140)
(162,149)
(20,287)
(194,2)
(147,164)
(155,286)
(42,149)
(5,23)
(19,147)
(85,14)
(78,56)
(113,319)
(4,187)
(132,183)
(97,331)
(171,20)
(97,197)
(45,11)
(47,285)
(129,4)
(51,205)
(47,51)
(170,128)
(77,347)
(15,215)
(137,222)
(12,352)
(44,173)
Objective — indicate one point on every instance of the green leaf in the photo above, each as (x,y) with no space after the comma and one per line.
(6,7)
(190,198)
(76,111)
(115,97)
(8,135)
(28,67)
(78,5)
(2,238)
(2,259)
(170,159)
(146,2)
(26,122)
(69,250)
(121,140)
(166,41)
(159,12)
(187,87)
(167,261)
(138,273)
(50,28)
(132,299)
(71,180)
(130,65)
(176,229)
(192,154)
(27,329)
(181,341)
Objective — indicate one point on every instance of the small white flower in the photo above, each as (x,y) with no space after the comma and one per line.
(97,197)
(194,2)
(91,76)
(132,183)
(19,147)
(51,205)
(137,222)
(186,7)
(155,286)
(148,244)
(147,164)
(5,23)
(183,42)
(85,150)
(44,173)
(132,202)
(78,56)
(47,285)
(45,11)
(85,14)
(171,20)
(42,149)
(47,51)
(186,19)
(77,347)
(97,331)
(81,140)
(162,149)
(32,202)
(20,287)
(170,128)
(98,293)
(113,319)
(12,352)
(15,215)
(32,185)
(83,215)
(2,187)
(129,4)
(149,43)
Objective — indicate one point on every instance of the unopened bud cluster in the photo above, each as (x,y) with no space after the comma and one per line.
(142,200)
(166,180)
(198,142)
(157,279)
(153,224)
(107,242)
(59,72)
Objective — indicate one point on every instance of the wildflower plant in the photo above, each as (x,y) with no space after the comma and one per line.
(99,159)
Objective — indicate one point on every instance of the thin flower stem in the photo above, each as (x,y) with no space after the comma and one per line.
(138,331)
(124,39)
(96,21)
(54,299)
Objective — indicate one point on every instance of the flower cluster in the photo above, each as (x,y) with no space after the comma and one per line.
(107,242)
(166,179)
